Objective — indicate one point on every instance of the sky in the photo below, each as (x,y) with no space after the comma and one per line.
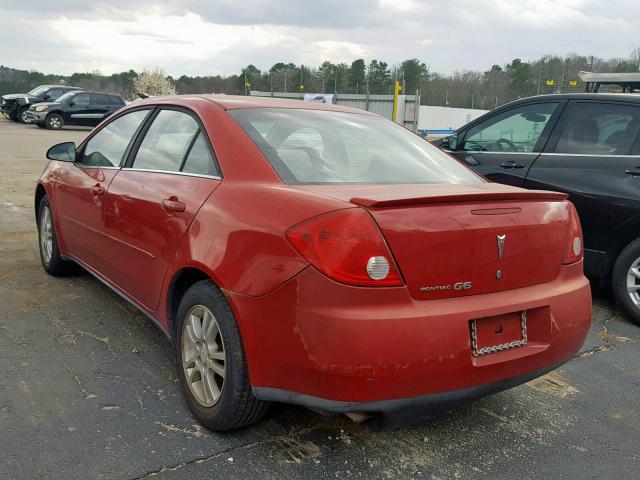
(194,37)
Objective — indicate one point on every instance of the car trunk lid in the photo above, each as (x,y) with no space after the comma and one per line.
(457,240)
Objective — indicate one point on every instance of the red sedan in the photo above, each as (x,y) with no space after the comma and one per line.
(317,255)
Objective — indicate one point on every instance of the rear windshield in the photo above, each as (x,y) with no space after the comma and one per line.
(317,146)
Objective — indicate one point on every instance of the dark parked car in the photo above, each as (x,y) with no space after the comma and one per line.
(75,108)
(586,145)
(15,105)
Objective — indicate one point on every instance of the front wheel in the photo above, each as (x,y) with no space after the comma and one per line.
(22,115)
(54,121)
(625,281)
(48,242)
(211,364)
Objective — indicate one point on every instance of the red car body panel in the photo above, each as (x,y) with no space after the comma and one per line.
(303,332)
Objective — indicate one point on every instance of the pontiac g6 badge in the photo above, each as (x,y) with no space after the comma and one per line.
(501,239)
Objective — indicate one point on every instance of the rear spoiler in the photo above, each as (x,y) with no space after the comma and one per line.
(539,195)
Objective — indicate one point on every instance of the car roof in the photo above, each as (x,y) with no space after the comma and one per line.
(61,86)
(609,97)
(234,102)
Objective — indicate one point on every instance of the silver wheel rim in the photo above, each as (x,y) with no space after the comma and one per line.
(203,356)
(54,122)
(23,116)
(46,235)
(633,282)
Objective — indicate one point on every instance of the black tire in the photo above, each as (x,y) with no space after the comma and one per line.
(236,406)
(54,121)
(20,113)
(54,265)
(621,268)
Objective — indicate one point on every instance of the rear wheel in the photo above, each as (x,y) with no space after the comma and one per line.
(626,281)
(54,121)
(49,253)
(211,364)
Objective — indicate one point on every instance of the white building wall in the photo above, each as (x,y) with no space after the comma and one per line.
(443,120)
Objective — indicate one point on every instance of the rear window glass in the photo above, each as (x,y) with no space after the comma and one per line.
(316,146)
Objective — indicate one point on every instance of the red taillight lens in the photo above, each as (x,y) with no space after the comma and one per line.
(347,246)
(575,247)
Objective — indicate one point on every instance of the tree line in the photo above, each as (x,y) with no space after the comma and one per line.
(469,89)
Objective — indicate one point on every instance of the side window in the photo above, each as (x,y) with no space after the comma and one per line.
(599,129)
(107,147)
(54,94)
(516,130)
(199,160)
(113,100)
(166,142)
(81,100)
(99,99)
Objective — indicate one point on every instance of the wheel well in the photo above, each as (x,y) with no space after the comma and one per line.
(623,237)
(40,192)
(181,282)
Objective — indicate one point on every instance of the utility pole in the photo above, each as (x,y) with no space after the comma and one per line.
(285,81)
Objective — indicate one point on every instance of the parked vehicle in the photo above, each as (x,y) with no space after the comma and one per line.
(586,145)
(15,105)
(317,255)
(75,108)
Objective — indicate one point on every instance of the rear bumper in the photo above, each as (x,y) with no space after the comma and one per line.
(401,411)
(333,347)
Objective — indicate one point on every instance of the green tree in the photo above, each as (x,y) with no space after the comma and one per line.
(414,72)
(378,77)
(357,76)
(520,78)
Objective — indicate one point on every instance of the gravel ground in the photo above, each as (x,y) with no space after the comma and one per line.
(88,390)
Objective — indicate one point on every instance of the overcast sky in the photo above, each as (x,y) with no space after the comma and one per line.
(220,36)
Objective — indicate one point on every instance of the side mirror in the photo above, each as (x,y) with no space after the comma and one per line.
(62,152)
(46,97)
(72,103)
(450,142)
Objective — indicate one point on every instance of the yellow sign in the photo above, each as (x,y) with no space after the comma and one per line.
(573,83)
(550,83)
(247,84)
(301,87)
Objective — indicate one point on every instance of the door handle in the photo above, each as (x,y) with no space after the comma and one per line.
(511,164)
(97,190)
(634,173)
(173,205)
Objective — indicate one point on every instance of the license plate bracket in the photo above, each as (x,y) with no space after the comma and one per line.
(498,333)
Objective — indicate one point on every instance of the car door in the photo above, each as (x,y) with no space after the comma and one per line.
(590,157)
(152,201)
(81,110)
(81,188)
(503,146)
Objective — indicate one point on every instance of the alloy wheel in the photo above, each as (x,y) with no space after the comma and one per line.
(203,356)
(633,282)
(55,122)
(46,234)
(23,116)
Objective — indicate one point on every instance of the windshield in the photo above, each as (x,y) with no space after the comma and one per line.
(66,97)
(316,146)
(36,92)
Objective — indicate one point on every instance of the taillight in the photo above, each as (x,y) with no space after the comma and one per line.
(348,247)
(575,247)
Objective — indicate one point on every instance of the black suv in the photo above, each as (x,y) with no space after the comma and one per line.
(15,105)
(75,108)
(587,145)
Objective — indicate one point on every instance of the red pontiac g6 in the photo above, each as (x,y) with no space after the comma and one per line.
(316,255)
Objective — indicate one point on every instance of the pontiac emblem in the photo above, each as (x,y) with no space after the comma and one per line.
(500,239)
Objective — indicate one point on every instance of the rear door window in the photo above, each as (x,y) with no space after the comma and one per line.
(174,143)
(592,128)
(99,99)
(107,147)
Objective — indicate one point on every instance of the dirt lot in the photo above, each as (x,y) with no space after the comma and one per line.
(88,390)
